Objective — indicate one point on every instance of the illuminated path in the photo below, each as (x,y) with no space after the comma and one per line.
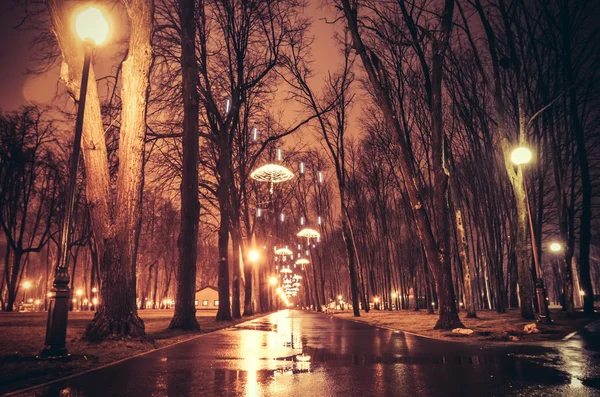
(268,357)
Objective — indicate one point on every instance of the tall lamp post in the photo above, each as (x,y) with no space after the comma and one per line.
(26,286)
(92,29)
(521,156)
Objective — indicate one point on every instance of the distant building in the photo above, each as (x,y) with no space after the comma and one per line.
(207,298)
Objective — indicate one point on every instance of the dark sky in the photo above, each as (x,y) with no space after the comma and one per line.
(18,88)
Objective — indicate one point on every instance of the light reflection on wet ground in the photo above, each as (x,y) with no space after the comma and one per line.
(292,353)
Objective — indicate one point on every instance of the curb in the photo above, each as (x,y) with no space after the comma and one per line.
(397,330)
(50,382)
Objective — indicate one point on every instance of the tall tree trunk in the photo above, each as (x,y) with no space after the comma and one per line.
(248,280)
(462,250)
(185,308)
(223,166)
(118,311)
(351,252)
(236,274)
(12,287)
(585,228)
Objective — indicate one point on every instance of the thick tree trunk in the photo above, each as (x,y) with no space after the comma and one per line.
(12,288)
(185,308)
(118,313)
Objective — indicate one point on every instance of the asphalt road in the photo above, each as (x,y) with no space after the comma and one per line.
(296,353)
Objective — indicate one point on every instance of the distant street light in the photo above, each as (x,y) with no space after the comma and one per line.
(253,256)
(273,280)
(26,286)
(92,28)
(555,247)
(521,155)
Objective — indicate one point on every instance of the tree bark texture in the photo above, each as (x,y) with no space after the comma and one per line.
(187,242)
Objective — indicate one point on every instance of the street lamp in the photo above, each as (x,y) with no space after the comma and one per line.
(92,28)
(253,256)
(521,156)
(26,286)
(555,247)
(273,280)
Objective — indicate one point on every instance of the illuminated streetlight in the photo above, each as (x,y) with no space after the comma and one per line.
(273,280)
(90,24)
(253,256)
(93,29)
(26,286)
(521,155)
(555,247)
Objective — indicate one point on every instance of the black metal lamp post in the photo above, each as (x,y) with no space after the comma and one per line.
(93,29)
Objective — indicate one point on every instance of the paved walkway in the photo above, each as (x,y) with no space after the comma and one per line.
(296,353)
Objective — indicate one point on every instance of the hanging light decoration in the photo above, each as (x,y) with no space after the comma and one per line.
(308,233)
(286,270)
(255,134)
(272,173)
(283,251)
(302,167)
(302,261)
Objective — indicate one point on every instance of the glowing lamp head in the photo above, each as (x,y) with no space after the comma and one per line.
(90,24)
(273,280)
(555,247)
(27,284)
(521,155)
(79,292)
(376,300)
(253,255)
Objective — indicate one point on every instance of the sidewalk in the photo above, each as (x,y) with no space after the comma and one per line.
(488,327)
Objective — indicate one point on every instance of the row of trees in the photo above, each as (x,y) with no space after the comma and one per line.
(422,206)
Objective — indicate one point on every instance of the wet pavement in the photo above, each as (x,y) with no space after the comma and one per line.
(296,353)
